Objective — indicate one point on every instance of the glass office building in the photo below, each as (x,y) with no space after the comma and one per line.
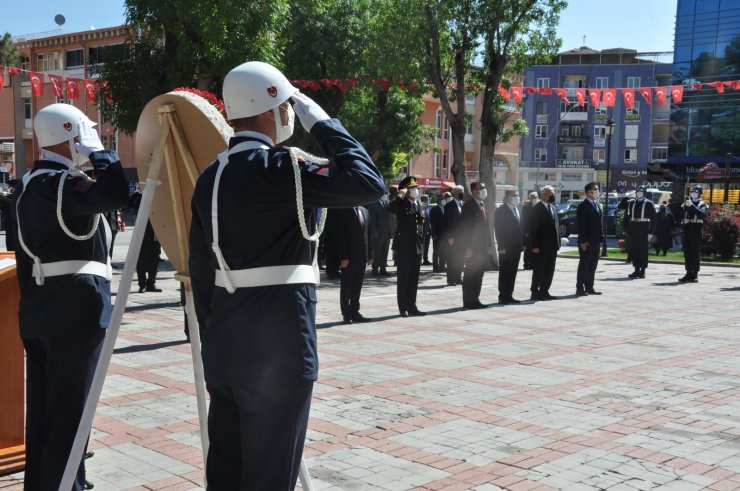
(705,126)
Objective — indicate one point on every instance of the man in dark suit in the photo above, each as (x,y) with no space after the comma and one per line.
(590,234)
(436,219)
(353,240)
(475,240)
(545,239)
(408,243)
(381,233)
(453,212)
(509,237)
(427,229)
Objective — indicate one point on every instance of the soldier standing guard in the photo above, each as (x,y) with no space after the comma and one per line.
(692,229)
(641,219)
(408,244)
(61,241)
(254,273)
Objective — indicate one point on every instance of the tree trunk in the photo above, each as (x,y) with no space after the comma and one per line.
(485,170)
(457,132)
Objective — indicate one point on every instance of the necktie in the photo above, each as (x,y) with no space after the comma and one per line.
(552,212)
(359,216)
(483,209)
(598,211)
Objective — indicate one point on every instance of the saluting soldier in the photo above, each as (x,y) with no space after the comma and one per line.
(61,241)
(254,273)
(641,220)
(692,229)
(408,244)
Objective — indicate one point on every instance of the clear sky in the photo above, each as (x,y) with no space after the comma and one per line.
(644,25)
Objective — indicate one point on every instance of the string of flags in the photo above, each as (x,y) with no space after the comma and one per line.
(606,96)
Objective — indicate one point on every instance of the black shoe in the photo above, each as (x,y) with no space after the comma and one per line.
(593,292)
(403,313)
(471,306)
(451,283)
(685,279)
(547,296)
(580,292)
(535,296)
(385,273)
(142,289)
(481,305)
(89,454)
(88,484)
(358,317)
(375,272)
(514,300)
(416,312)
(634,274)
(152,288)
(426,263)
(346,319)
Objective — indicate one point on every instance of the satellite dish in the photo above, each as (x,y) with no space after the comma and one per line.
(60,20)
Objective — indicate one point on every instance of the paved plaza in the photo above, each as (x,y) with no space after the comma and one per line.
(638,388)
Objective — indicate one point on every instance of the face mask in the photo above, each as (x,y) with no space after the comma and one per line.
(459,197)
(282,133)
(694,195)
(640,194)
(551,199)
(515,200)
(414,193)
(595,193)
(483,193)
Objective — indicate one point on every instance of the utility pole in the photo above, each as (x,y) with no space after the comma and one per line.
(728,163)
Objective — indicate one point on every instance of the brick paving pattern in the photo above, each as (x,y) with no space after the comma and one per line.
(636,389)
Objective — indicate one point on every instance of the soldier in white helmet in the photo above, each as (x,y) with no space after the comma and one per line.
(61,241)
(254,273)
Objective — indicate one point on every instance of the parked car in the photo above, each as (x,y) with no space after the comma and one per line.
(568,221)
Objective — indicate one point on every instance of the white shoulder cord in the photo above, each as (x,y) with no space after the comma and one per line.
(295,153)
(67,231)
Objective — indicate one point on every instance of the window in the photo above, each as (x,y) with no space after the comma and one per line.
(602,82)
(630,155)
(633,82)
(571,176)
(469,99)
(445,162)
(439,121)
(541,107)
(599,131)
(565,131)
(25,63)
(114,141)
(576,131)
(46,62)
(634,111)
(543,83)
(74,58)
(436,164)
(600,110)
(540,131)
(540,155)
(99,54)
(469,127)
(27,108)
(659,154)
(599,155)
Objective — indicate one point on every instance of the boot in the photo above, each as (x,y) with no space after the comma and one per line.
(685,278)
(151,287)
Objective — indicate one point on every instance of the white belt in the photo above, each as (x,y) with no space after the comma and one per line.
(269,275)
(640,219)
(59,268)
(692,220)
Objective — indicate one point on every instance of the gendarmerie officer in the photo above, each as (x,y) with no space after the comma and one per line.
(692,230)
(408,244)
(64,272)
(254,274)
(641,220)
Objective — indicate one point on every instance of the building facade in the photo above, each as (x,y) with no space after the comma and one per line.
(567,144)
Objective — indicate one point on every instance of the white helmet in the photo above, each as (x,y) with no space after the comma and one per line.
(58,123)
(253,88)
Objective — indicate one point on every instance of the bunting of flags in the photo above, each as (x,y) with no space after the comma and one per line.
(74,87)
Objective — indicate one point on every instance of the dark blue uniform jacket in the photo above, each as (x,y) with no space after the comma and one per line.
(268,334)
(69,303)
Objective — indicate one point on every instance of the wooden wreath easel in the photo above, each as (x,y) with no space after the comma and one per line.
(171,144)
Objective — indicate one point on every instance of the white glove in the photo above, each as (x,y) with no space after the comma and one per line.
(308,112)
(89,139)
(650,237)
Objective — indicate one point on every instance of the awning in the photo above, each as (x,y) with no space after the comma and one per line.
(430,183)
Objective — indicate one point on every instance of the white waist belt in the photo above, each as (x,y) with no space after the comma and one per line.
(693,220)
(640,219)
(269,275)
(61,268)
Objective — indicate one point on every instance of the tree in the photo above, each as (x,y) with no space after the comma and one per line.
(9,53)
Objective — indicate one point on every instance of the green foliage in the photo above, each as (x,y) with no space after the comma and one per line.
(619,224)
(9,53)
(724,228)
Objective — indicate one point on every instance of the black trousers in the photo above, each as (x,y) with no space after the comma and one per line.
(427,241)
(691,239)
(543,269)
(475,266)
(455,261)
(350,287)
(587,262)
(257,434)
(438,254)
(148,261)
(639,246)
(407,283)
(508,265)
(332,256)
(381,245)
(59,372)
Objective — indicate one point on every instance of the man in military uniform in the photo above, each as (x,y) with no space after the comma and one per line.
(408,244)
(64,272)
(254,273)
(692,229)
(641,222)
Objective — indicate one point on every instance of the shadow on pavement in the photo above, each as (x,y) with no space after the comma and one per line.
(147,347)
(149,306)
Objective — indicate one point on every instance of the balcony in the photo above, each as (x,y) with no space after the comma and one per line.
(578,140)
(573,164)
(574,116)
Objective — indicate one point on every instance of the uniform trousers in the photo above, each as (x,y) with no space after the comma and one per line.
(473,278)
(639,245)
(691,238)
(409,263)
(588,260)
(256,435)
(351,287)
(508,265)
(543,269)
(59,372)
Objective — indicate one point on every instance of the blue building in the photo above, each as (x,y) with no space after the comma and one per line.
(568,143)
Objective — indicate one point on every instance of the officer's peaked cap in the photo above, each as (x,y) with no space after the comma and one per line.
(408,183)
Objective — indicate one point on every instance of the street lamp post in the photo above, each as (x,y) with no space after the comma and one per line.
(605,211)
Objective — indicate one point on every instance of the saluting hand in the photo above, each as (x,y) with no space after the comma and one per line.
(584,246)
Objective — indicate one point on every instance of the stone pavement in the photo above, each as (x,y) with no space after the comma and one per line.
(636,389)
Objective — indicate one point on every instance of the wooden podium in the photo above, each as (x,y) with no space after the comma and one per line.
(12,394)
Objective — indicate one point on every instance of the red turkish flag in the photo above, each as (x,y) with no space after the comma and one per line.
(609,97)
(544,91)
(581,96)
(660,94)
(91,88)
(563,94)
(13,70)
(628,96)
(735,84)
(595,97)
(73,88)
(529,90)
(56,84)
(677,93)
(718,85)
(503,92)
(647,94)
(694,86)
(37,83)
(517,93)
